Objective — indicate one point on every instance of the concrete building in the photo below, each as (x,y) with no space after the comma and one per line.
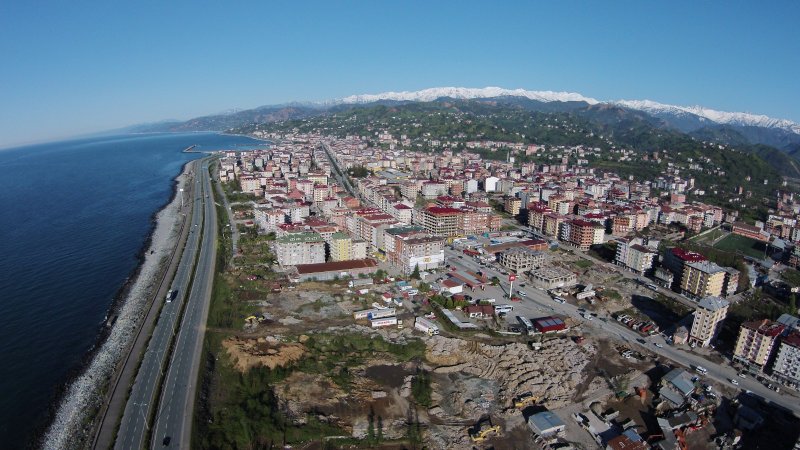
(755,343)
(441,221)
(702,279)
(512,205)
(340,245)
(708,317)
(521,259)
(583,234)
(300,248)
(411,246)
(634,256)
(552,277)
(675,259)
(787,363)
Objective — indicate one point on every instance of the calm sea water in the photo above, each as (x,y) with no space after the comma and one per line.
(74,216)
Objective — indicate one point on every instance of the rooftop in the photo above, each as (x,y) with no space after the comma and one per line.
(713,303)
(302,237)
(304,269)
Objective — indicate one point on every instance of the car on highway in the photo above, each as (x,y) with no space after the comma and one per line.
(522,293)
(742,375)
(171,295)
(166,441)
(734,382)
(659,345)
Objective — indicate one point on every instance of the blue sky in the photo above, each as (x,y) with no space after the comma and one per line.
(78,67)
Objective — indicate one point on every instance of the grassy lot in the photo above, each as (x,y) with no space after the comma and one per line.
(583,263)
(745,245)
(791,276)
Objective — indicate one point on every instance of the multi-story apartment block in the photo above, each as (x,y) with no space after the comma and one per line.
(441,221)
(268,218)
(432,189)
(412,247)
(341,247)
(786,367)
(708,317)
(300,248)
(536,213)
(583,234)
(702,279)
(512,205)
(551,224)
(634,256)
(756,341)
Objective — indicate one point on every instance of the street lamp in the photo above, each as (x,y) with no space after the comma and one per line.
(181,198)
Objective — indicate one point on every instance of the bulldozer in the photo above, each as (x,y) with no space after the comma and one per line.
(525,400)
(483,429)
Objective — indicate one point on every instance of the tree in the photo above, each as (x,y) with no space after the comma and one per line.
(424,287)
(793,304)
(415,273)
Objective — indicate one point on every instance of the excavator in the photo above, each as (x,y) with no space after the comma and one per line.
(483,429)
(525,400)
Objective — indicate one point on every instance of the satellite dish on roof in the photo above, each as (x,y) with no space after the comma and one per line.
(588,288)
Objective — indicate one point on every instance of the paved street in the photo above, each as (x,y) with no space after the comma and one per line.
(173,420)
(134,426)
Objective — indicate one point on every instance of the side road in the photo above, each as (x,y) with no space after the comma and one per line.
(116,397)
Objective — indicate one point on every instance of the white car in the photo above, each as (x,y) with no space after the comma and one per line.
(734,382)
(659,345)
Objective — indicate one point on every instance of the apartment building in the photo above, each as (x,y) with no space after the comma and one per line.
(756,341)
(300,248)
(441,221)
(583,234)
(708,317)
(512,205)
(787,362)
(411,246)
(344,248)
(702,279)
(634,256)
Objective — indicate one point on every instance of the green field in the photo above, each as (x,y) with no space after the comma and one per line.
(745,245)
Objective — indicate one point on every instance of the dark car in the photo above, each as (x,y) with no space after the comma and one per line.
(166,440)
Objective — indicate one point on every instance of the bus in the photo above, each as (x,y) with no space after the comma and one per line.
(525,323)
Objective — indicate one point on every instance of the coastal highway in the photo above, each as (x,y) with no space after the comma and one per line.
(135,423)
(173,421)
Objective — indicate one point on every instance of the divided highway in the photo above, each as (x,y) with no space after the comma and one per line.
(173,421)
(195,294)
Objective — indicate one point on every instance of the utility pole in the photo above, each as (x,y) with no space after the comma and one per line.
(181,198)
(511,277)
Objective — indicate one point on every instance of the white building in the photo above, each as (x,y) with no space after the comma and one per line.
(490,184)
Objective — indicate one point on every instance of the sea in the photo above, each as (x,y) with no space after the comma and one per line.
(74,219)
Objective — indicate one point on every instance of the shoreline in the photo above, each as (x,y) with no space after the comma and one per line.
(75,408)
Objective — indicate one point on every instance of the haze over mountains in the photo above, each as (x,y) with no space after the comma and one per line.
(732,128)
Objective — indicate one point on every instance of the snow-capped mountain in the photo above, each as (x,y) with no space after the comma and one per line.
(427,95)
(720,117)
(700,115)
